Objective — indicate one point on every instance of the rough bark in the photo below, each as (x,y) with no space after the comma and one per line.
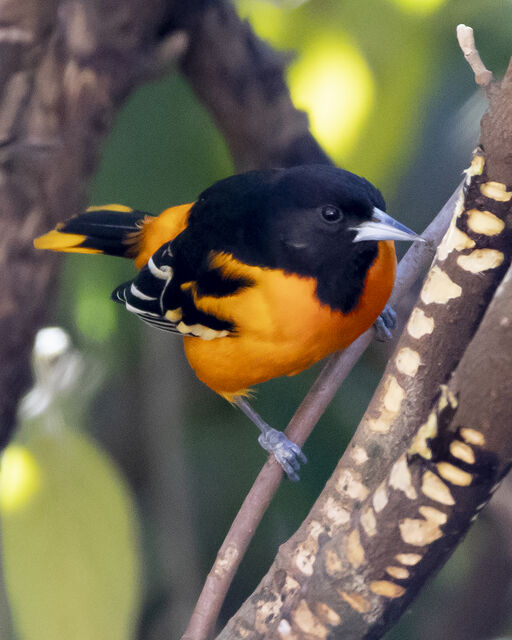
(65,68)
(241,81)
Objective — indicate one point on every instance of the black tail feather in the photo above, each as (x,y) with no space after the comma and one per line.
(111,230)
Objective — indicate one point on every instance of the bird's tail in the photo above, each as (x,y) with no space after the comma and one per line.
(111,229)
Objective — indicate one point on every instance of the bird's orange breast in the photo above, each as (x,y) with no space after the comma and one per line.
(282,328)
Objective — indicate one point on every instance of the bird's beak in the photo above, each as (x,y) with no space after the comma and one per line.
(383,227)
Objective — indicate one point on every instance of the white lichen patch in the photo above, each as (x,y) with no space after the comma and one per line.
(348,483)
(307,622)
(290,587)
(420,324)
(387,589)
(462,451)
(454,240)
(328,615)
(391,401)
(333,564)
(304,556)
(400,573)
(454,475)
(430,513)
(419,532)
(354,550)
(266,611)
(496,191)
(380,425)
(447,243)
(315,529)
(428,431)
(472,436)
(409,559)
(358,455)
(408,361)
(434,488)
(369,522)
(380,498)
(476,167)
(393,396)
(400,478)
(226,559)
(356,601)
(460,241)
(334,512)
(446,398)
(439,288)
(481,260)
(242,631)
(484,222)
(284,629)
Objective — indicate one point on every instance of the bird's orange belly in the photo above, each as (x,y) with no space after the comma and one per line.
(283,328)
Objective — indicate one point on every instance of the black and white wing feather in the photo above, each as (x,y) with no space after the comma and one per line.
(159,297)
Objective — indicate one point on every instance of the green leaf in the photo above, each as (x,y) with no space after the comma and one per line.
(69,539)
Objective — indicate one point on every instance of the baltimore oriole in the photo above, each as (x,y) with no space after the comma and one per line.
(264,275)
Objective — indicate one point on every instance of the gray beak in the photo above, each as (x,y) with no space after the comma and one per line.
(383,227)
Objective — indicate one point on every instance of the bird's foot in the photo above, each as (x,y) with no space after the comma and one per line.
(287,453)
(385,324)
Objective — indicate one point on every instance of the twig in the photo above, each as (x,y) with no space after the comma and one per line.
(230,554)
(466,38)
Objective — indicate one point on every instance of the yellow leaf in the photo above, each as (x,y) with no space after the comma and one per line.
(69,540)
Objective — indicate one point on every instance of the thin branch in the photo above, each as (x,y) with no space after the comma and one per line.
(411,267)
(466,38)
(241,80)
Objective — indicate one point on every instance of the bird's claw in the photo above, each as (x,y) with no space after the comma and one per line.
(385,324)
(287,453)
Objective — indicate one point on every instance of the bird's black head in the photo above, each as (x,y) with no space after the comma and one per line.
(301,220)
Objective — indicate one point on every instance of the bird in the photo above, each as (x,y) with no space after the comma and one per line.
(264,274)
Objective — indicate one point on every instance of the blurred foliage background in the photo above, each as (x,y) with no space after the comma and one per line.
(390,97)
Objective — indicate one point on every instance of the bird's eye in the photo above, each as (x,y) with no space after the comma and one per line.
(331,213)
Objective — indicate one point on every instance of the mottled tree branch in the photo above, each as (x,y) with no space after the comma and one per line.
(431,447)
(241,80)
(65,68)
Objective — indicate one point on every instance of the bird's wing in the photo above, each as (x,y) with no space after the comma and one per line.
(161,296)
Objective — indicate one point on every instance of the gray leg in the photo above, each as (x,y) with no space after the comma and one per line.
(385,324)
(286,452)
